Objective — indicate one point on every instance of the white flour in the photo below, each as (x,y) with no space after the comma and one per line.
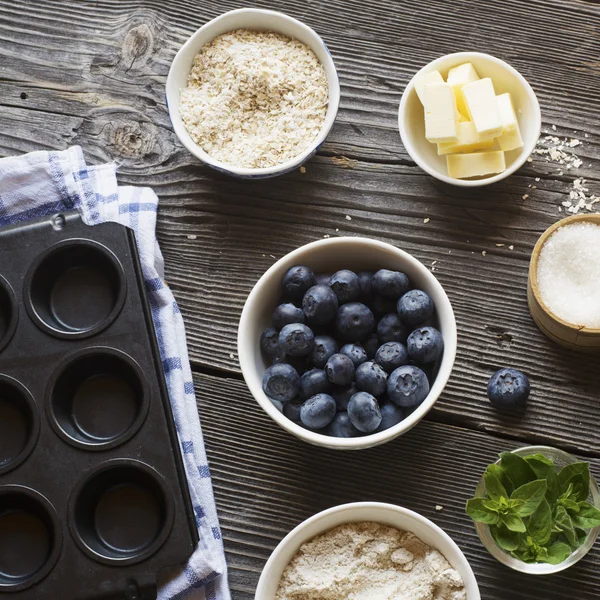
(369,561)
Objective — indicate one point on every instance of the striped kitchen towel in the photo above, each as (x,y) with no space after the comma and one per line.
(43,183)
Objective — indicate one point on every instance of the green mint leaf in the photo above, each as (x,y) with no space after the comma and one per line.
(558,553)
(544,469)
(491,505)
(494,487)
(539,524)
(578,476)
(499,472)
(581,535)
(514,523)
(532,493)
(570,505)
(505,538)
(479,512)
(563,521)
(517,469)
(587,517)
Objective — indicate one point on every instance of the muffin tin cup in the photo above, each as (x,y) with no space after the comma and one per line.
(30,538)
(9,313)
(19,423)
(97,398)
(121,512)
(75,289)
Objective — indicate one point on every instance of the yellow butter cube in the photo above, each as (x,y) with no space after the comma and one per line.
(441,115)
(462,166)
(423,80)
(511,140)
(480,99)
(457,78)
(468,141)
(507,113)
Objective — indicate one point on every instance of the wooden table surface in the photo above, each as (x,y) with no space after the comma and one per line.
(93,73)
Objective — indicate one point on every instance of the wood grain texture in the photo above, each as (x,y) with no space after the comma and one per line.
(267,482)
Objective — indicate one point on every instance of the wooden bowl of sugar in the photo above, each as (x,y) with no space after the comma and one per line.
(563,290)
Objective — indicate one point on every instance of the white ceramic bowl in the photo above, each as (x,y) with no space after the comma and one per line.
(411,119)
(260,20)
(331,255)
(386,514)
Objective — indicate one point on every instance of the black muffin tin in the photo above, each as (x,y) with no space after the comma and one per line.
(93,495)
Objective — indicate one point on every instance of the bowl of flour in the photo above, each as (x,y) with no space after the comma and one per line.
(253,93)
(367,551)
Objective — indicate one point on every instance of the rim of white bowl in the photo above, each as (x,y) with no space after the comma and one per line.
(528,146)
(445,314)
(458,557)
(290,164)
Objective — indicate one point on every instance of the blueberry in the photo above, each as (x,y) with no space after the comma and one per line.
(415,307)
(391,355)
(391,329)
(508,389)
(297,281)
(425,345)
(346,286)
(390,284)
(292,409)
(354,322)
(300,363)
(281,382)
(320,304)
(313,382)
(296,339)
(342,396)
(269,341)
(382,306)
(323,349)
(371,345)
(323,278)
(364,413)
(318,411)
(365,279)
(342,427)
(340,369)
(390,415)
(371,378)
(407,386)
(286,314)
(355,352)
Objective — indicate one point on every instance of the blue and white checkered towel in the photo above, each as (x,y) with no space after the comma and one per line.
(44,183)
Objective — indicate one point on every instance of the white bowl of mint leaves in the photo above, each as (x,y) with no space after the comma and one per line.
(537,510)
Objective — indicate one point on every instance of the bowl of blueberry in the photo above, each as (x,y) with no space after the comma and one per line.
(347,342)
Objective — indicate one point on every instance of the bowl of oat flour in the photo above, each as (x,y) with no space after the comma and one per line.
(253,93)
(367,551)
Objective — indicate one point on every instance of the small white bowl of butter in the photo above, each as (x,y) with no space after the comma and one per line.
(469,119)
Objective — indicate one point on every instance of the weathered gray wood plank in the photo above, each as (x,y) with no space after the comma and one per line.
(266,482)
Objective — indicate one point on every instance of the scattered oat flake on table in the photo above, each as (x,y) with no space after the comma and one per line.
(537,178)
(192,237)
(439,507)
(525,196)
(231,355)
(554,127)
(483,252)
(273,257)
(500,245)
(326,235)
(303,170)
(511,247)
(348,218)
(426,220)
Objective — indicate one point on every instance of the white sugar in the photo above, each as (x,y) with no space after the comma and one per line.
(568,274)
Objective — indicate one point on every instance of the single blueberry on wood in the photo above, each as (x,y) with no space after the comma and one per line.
(340,369)
(425,345)
(390,284)
(407,386)
(296,339)
(314,382)
(269,341)
(508,389)
(286,314)
(391,329)
(281,382)
(415,307)
(391,355)
(355,352)
(371,378)
(318,411)
(346,286)
(364,412)
(342,427)
(320,304)
(297,281)
(354,321)
(324,348)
